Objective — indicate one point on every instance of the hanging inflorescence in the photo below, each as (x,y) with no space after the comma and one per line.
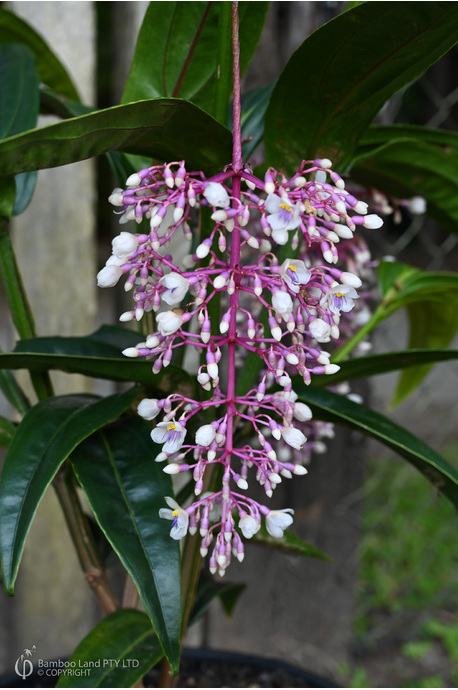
(281,310)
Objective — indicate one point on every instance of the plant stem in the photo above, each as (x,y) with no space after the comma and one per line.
(237,163)
(343,351)
(78,526)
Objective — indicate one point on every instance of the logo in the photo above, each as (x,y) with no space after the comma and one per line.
(23,665)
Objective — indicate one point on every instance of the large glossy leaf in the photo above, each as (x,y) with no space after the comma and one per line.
(184,61)
(432,324)
(338,80)
(402,286)
(126,489)
(52,72)
(335,408)
(424,164)
(118,652)
(48,433)
(19,102)
(374,365)
(18,108)
(157,128)
(378,136)
(97,355)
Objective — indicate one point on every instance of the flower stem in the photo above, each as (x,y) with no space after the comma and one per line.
(237,162)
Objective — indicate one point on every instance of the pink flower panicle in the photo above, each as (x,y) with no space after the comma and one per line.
(282,311)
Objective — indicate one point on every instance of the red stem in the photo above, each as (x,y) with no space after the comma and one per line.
(237,163)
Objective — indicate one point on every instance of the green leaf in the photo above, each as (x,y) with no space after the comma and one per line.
(52,103)
(391,276)
(374,365)
(432,325)
(290,543)
(7,431)
(25,188)
(156,128)
(126,489)
(7,197)
(379,136)
(52,72)
(339,410)
(184,61)
(118,652)
(18,109)
(401,286)
(425,164)
(353,65)
(97,355)
(19,103)
(48,433)
(208,589)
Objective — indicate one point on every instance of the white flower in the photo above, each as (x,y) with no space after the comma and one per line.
(116,197)
(171,434)
(278,520)
(248,526)
(320,330)
(350,279)
(205,435)
(283,217)
(282,303)
(177,287)
(417,205)
(293,437)
(168,322)
(339,298)
(148,408)
(124,244)
(295,274)
(109,276)
(373,222)
(302,412)
(178,515)
(216,195)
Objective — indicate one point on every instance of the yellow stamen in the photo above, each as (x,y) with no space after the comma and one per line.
(339,294)
(286,207)
(171,427)
(292,268)
(175,513)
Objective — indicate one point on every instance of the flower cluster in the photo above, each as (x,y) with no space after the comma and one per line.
(280,309)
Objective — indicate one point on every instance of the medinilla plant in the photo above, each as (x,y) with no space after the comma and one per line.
(250,288)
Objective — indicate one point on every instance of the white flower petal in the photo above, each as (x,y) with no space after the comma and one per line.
(293,437)
(205,435)
(248,526)
(279,520)
(177,287)
(168,322)
(216,195)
